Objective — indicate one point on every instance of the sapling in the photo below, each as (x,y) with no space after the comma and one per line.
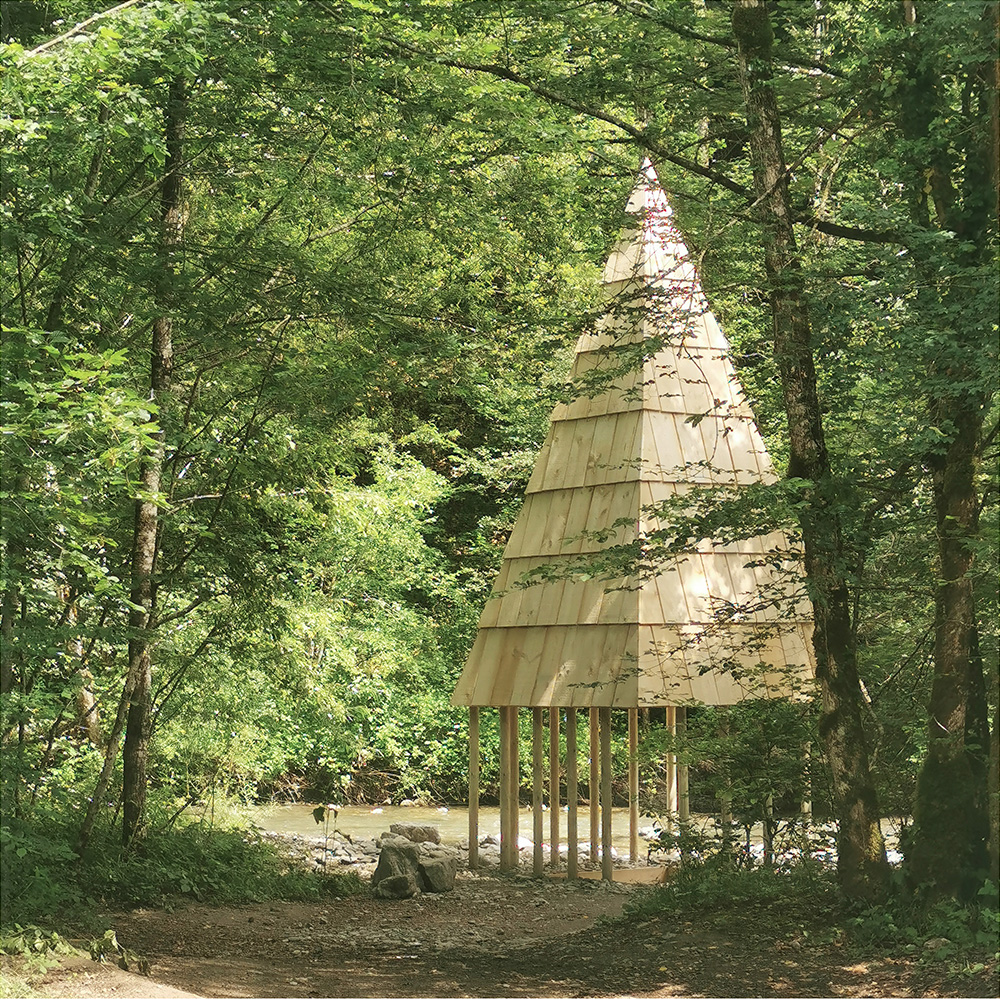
(321,813)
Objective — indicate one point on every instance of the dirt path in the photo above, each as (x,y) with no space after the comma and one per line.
(492,937)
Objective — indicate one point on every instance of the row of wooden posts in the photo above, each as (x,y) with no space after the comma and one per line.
(600,790)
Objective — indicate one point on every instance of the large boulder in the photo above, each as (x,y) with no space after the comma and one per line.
(405,868)
(398,858)
(415,832)
(437,874)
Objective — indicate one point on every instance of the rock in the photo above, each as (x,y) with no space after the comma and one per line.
(437,874)
(396,886)
(489,855)
(936,943)
(430,850)
(416,833)
(430,866)
(398,857)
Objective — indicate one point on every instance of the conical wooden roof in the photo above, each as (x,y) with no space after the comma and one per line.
(671,423)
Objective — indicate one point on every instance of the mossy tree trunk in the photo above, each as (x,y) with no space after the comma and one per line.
(861,860)
(952,188)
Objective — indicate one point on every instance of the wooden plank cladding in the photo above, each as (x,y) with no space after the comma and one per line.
(661,415)
(628,665)
(651,446)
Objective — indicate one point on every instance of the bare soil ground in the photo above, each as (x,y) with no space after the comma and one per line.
(493,936)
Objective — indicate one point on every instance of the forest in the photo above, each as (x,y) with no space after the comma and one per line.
(289,291)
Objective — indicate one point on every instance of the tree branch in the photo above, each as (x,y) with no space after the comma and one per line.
(641,139)
(79,27)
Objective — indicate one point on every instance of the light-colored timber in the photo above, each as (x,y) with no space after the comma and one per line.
(554,775)
(683,795)
(595,786)
(513,788)
(607,860)
(572,795)
(670,773)
(657,428)
(537,816)
(473,788)
(633,784)
(505,762)
(667,427)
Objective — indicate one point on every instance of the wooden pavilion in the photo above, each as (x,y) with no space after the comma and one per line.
(661,414)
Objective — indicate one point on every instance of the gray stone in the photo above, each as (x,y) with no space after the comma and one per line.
(430,850)
(437,874)
(416,833)
(396,886)
(397,857)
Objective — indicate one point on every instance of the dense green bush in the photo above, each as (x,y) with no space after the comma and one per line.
(45,880)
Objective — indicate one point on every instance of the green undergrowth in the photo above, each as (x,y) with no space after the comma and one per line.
(802,903)
(26,953)
(965,938)
(16,985)
(45,881)
(717,890)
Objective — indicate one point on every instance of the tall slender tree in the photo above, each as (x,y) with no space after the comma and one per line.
(861,859)
(142,616)
(951,182)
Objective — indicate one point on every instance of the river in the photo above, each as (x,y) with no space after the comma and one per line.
(366,822)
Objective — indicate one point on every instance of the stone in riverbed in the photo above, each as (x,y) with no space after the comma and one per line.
(428,850)
(416,833)
(429,866)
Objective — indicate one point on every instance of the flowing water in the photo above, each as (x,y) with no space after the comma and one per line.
(366,822)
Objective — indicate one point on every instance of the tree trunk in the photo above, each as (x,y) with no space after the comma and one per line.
(861,861)
(147,521)
(950,813)
(949,853)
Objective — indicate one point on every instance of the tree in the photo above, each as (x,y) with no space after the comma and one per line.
(142,616)
(951,186)
(861,860)
(324,304)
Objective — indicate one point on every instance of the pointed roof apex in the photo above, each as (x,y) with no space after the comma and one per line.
(654,249)
(647,193)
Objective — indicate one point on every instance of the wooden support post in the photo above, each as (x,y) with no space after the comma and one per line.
(767,831)
(572,795)
(683,797)
(607,864)
(806,807)
(726,798)
(670,775)
(537,825)
(473,788)
(554,795)
(514,790)
(633,785)
(595,769)
(505,825)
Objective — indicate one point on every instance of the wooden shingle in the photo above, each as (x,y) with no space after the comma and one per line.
(714,625)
